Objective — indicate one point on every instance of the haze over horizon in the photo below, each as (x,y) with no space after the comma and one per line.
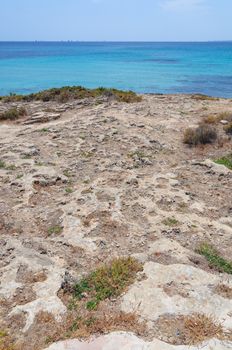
(110,20)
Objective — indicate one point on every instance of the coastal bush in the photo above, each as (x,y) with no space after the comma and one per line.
(203,134)
(13,113)
(69,93)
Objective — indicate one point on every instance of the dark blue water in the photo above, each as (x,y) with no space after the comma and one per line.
(143,67)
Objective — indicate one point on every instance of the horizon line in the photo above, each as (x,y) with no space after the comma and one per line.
(113,41)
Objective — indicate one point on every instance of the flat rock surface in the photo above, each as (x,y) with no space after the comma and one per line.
(82,183)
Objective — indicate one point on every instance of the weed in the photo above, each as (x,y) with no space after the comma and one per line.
(92,305)
(137,154)
(86,154)
(11,167)
(226,161)
(2,164)
(170,222)
(55,230)
(67,173)
(44,130)
(214,259)
(69,190)
(203,134)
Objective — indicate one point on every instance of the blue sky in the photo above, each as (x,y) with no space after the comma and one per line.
(122,20)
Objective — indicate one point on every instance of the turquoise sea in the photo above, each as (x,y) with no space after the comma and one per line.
(140,66)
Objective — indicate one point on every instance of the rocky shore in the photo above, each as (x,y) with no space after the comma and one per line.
(89,181)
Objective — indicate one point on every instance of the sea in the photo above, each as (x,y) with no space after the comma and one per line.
(144,67)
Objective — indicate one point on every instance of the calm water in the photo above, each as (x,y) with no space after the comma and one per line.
(142,67)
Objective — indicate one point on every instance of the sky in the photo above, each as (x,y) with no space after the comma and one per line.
(115,20)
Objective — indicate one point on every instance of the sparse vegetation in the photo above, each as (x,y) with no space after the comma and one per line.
(211,119)
(55,230)
(215,259)
(170,222)
(203,134)
(226,161)
(3,165)
(13,113)
(69,190)
(201,97)
(224,291)
(107,281)
(228,128)
(68,93)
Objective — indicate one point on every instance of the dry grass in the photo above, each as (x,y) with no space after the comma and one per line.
(199,327)
(83,328)
(201,135)
(6,342)
(228,128)
(211,119)
(224,291)
(201,97)
(216,118)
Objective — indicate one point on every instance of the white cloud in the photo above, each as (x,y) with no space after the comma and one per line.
(177,5)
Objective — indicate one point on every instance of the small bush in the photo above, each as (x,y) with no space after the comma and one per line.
(203,134)
(228,128)
(13,113)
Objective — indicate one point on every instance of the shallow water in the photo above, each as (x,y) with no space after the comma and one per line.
(143,67)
